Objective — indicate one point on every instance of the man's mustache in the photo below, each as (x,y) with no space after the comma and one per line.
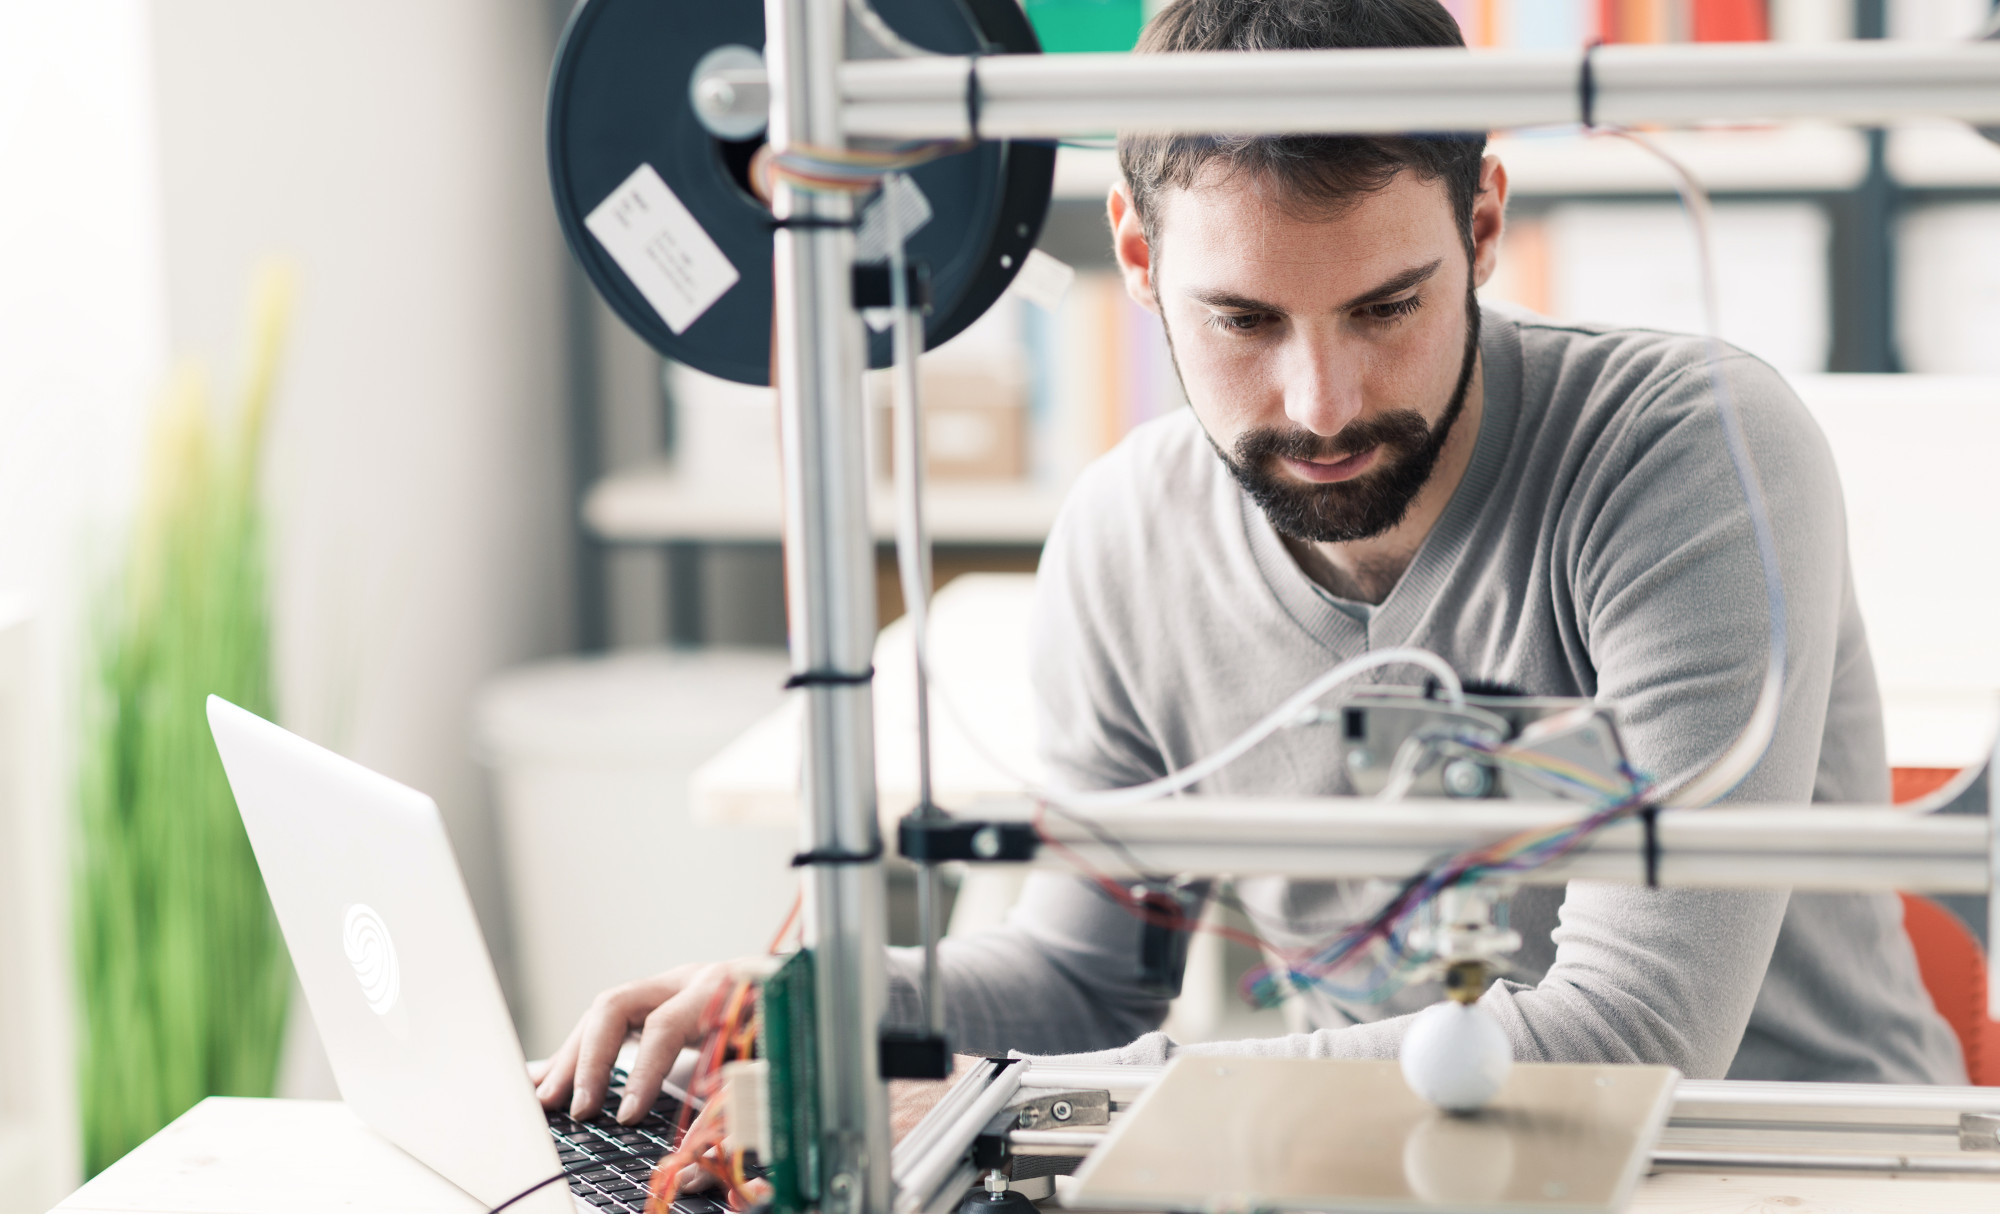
(1403,428)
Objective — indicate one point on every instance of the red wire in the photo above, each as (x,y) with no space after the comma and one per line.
(1142,907)
(791,917)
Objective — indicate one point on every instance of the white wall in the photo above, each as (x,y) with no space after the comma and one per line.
(417,467)
(81,347)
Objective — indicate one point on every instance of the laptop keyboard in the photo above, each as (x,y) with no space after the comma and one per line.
(608,1163)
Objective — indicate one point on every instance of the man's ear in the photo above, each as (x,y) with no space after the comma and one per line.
(1130,247)
(1489,219)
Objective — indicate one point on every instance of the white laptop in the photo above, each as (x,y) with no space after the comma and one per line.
(401,987)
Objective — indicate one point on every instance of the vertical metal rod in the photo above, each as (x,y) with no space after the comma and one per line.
(830,597)
(913,557)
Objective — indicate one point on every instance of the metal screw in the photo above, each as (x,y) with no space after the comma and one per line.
(986,842)
(1062,1110)
(1467,778)
(996,1183)
(1025,1119)
(1359,760)
(719,95)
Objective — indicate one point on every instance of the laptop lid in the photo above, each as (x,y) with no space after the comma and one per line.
(382,934)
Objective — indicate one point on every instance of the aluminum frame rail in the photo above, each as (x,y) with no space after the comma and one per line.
(1875,1105)
(1800,847)
(1344,837)
(1364,91)
(817,362)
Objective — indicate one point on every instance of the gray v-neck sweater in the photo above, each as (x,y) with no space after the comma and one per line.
(1598,546)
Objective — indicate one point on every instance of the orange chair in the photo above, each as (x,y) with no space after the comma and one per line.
(1948,956)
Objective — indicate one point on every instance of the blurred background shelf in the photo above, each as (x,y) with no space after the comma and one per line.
(1943,155)
(657,504)
(1787,159)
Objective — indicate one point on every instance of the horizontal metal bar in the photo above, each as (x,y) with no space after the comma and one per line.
(1426,89)
(1077,1144)
(1110,1078)
(1709,1100)
(1070,1144)
(1807,1161)
(1829,1104)
(1825,847)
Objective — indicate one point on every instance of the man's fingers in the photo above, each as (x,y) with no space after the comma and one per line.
(537,1071)
(554,1086)
(694,1178)
(605,1027)
(668,1027)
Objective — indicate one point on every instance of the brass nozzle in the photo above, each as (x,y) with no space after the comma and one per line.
(1465,981)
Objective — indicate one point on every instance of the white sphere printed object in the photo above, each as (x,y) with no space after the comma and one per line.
(1456,1056)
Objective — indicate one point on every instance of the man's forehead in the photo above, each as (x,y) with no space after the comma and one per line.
(1237,226)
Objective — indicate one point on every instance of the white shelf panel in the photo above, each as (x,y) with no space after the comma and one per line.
(1943,154)
(1802,157)
(656,504)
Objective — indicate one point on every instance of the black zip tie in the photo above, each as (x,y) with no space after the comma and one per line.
(1586,85)
(972,99)
(828,678)
(1649,825)
(835,856)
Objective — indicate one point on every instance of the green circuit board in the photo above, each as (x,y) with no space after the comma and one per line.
(791,1047)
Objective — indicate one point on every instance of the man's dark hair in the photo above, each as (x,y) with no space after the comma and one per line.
(1316,172)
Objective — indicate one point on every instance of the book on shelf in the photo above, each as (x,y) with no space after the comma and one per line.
(1556,24)
(1099,365)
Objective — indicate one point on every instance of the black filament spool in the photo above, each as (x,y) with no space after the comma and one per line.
(618,98)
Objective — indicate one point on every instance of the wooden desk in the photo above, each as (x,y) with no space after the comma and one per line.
(234,1156)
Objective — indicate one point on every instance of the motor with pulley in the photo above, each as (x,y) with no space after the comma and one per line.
(659,204)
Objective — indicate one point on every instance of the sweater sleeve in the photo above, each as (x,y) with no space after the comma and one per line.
(1062,975)
(1663,593)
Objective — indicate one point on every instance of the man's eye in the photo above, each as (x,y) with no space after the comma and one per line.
(1393,310)
(1237,322)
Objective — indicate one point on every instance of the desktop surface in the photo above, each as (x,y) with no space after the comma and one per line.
(237,1156)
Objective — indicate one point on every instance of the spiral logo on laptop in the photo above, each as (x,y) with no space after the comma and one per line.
(373,956)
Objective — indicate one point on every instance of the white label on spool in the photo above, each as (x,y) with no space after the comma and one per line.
(1043,280)
(662,248)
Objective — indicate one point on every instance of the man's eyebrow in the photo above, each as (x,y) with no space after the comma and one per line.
(1229,299)
(1396,285)
(1393,286)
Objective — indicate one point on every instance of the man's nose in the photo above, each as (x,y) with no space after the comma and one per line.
(1322,388)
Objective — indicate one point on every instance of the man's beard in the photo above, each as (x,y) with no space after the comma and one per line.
(1369,504)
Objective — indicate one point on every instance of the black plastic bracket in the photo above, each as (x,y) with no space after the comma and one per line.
(871,285)
(1163,940)
(931,840)
(989,1151)
(908,1055)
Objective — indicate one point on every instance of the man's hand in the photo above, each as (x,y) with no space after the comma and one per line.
(665,1010)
